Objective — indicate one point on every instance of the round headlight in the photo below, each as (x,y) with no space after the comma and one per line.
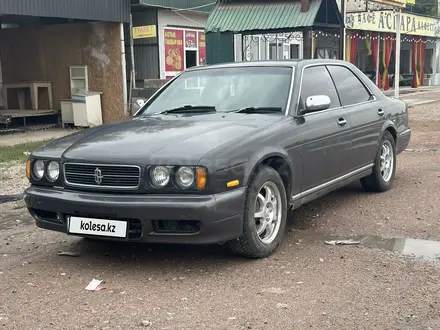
(38,169)
(185,177)
(53,171)
(160,176)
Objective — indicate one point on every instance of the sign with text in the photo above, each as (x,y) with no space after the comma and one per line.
(386,21)
(147,31)
(202,48)
(174,50)
(191,39)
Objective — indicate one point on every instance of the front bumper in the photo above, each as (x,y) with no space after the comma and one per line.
(219,217)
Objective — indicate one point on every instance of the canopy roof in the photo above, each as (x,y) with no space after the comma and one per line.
(240,16)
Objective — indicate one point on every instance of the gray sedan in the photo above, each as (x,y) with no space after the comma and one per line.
(220,154)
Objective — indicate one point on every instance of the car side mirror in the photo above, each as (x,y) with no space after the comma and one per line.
(136,105)
(317,103)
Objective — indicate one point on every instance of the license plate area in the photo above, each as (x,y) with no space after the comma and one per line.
(97,227)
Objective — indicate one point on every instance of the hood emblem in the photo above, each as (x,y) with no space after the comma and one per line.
(98,176)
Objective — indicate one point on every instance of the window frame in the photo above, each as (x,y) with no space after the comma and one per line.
(298,110)
(289,99)
(372,96)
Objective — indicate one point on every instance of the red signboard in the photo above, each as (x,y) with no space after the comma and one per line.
(191,39)
(174,51)
(202,48)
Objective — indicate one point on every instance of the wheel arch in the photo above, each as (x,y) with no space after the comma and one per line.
(390,127)
(278,161)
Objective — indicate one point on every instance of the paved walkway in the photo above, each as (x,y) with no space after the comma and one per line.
(410,90)
(33,136)
(417,96)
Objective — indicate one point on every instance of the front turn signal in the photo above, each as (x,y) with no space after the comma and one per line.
(201,178)
(28,169)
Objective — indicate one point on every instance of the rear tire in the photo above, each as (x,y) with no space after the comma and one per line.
(384,168)
(265,214)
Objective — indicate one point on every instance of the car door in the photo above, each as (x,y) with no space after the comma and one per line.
(364,112)
(322,132)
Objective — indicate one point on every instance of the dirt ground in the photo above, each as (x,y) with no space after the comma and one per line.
(305,285)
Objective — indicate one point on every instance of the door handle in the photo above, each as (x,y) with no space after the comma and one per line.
(380,112)
(342,122)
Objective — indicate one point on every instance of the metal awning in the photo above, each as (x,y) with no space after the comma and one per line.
(94,10)
(260,16)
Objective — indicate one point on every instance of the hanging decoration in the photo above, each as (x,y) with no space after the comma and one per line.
(375,47)
(422,49)
(386,56)
(368,45)
(415,81)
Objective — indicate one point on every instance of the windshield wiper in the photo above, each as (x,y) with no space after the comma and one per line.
(258,110)
(191,108)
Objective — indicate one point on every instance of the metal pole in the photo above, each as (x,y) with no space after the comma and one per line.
(397,69)
(342,38)
(133,66)
(377,59)
(124,68)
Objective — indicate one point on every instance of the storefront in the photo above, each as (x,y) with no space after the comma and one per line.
(268,46)
(166,40)
(57,52)
(263,34)
(370,45)
(183,48)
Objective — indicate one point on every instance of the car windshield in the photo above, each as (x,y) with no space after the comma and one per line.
(225,89)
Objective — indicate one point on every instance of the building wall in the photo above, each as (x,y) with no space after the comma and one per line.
(146,50)
(45,54)
(184,19)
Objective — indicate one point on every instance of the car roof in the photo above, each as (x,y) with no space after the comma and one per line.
(268,63)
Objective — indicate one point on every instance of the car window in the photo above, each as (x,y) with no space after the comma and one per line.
(350,89)
(227,89)
(317,81)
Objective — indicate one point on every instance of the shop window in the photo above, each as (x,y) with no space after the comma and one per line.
(405,61)
(263,49)
(294,51)
(350,89)
(275,53)
(361,59)
(327,53)
(429,55)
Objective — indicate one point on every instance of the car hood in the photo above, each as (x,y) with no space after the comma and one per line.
(167,139)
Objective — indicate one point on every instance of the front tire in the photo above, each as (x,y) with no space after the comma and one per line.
(384,168)
(265,214)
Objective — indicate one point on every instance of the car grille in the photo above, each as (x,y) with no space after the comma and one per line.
(102,176)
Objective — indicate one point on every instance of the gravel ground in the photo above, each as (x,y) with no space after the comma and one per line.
(13,178)
(306,284)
